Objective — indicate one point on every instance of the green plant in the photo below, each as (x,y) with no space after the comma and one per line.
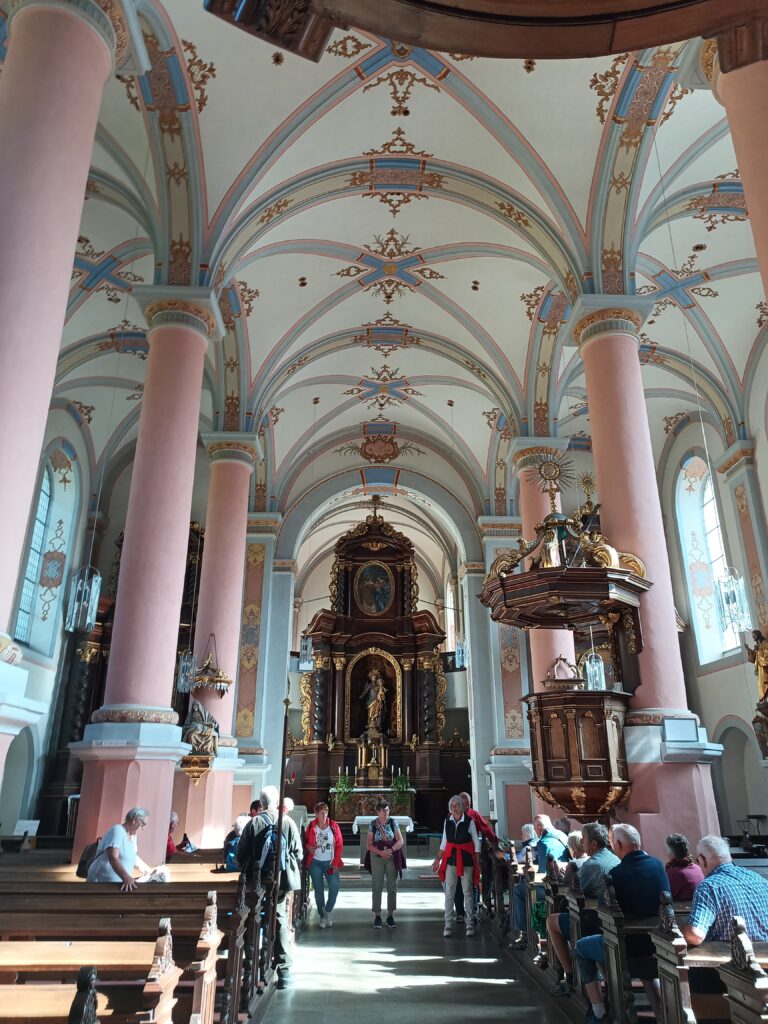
(400,784)
(344,786)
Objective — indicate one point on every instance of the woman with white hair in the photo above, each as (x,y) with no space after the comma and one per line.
(529,840)
(118,854)
(456,863)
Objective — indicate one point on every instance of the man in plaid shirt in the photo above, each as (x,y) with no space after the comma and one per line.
(726,892)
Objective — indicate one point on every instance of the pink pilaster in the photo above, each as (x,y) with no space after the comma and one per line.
(136,720)
(742,92)
(606,329)
(205,808)
(58,60)
(546,644)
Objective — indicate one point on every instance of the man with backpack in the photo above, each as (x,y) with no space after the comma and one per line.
(257,853)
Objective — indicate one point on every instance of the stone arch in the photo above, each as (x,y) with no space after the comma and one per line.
(738,775)
(17,779)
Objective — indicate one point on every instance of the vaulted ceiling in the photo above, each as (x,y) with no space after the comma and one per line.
(396,238)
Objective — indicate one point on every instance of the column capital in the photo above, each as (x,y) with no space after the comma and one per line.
(471,569)
(740,454)
(225,447)
(593,315)
(115,21)
(499,527)
(264,524)
(191,307)
(523,450)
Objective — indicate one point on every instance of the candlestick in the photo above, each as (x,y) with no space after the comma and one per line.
(408,770)
(339,769)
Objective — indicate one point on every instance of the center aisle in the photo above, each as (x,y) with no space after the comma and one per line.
(353,972)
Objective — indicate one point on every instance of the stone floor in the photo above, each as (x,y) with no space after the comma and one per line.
(351,972)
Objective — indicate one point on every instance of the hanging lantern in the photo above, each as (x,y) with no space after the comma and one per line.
(732,601)
(185,672)
(594,671)
(209,676)
(305,655)
(461,653)
(83,600)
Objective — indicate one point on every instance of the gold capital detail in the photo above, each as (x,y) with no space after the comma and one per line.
(180,306)
(233,446)
(522,456)
(601,315)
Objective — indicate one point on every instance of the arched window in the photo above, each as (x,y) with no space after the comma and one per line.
(704,559)
(23,628)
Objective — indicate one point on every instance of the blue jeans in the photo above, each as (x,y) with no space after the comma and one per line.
(590,952)
(519,898)
(318,873)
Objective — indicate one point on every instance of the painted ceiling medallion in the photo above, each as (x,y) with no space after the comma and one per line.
(379,444)
(396,182)
(401,84)
(386,335)
(390,267)
(385,387)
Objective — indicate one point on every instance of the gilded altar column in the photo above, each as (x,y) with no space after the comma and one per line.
(205,807)
(606,331)
(131,747)
(546,645)
(408,730)
(320,695)
(339,685)
(60,55)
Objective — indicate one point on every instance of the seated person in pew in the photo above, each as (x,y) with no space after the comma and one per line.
(637,880)
(118,854)
(549,842)
(726,892)
(598,860)
(528,837)
(683,872)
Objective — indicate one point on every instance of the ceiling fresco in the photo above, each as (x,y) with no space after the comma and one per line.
(400,235)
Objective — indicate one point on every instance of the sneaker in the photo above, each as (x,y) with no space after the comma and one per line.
(377,921)
(322,922)
(447,931)
(390,922)
(329,919)
(283,980)
(470,932)
(562,988)
(460,918)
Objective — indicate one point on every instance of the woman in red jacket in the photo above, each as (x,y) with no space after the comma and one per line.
(323,847)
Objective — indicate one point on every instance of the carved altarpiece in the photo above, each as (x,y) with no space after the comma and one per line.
(374,704)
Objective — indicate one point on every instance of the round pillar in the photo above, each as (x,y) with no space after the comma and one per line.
(219,604)
(546,644)
(59,58)
(630,509)
(742,92)
(131,747)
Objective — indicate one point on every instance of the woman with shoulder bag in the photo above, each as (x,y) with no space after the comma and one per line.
(385,858)
(323,848)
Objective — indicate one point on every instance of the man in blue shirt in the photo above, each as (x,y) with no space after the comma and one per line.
(638,882)
(549,843)
(726,892)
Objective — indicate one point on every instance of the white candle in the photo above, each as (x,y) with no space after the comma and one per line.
(339,769)
(408,770)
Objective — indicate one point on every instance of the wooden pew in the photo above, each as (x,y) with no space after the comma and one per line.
(56,1003)
(112,962)
(745,979)
(682,1006)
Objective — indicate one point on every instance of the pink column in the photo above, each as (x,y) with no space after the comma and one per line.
(59,58)
(545,644)
(742,93)
(630,515)
(630,509)
(205,809)
(136,719)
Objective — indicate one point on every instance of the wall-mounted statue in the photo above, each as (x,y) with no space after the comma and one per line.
(374,693)
(758,655)
(201,730)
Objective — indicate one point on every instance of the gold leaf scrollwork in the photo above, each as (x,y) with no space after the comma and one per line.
(305,688)
(441,690)
(579,798)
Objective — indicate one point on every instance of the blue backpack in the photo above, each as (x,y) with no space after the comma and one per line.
(230,855)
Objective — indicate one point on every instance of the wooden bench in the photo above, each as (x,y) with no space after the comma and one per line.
(674,958)
(149,966)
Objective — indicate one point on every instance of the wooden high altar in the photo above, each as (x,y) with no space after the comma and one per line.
(373,706)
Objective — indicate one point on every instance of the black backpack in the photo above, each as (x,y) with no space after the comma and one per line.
(87,857)
(265,846)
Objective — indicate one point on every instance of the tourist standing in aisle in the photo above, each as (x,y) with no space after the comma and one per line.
(384,859)
(323,847)
(456,860)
